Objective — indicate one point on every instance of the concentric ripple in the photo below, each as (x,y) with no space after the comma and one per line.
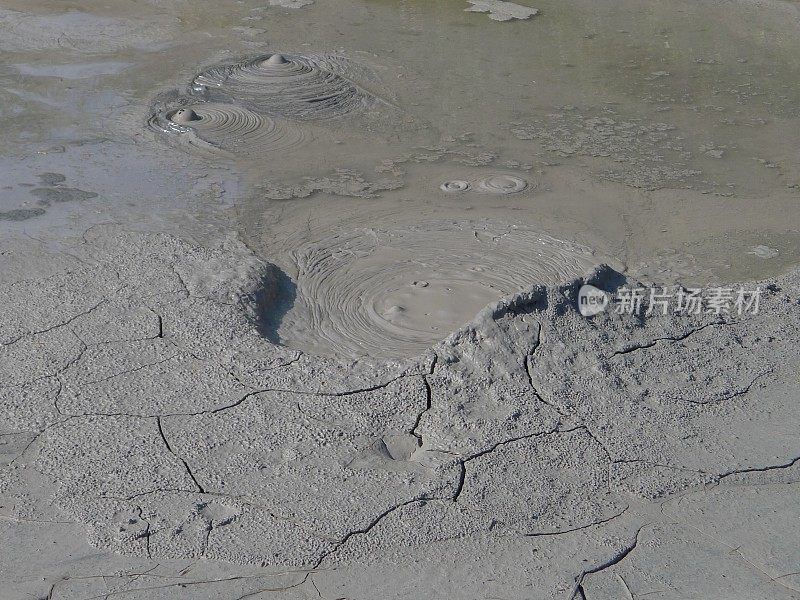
(493,184)
(394,293)
(228,128)
(455,186)
(300,87)
(502,184)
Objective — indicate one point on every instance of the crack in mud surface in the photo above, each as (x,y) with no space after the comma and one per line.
(167,428)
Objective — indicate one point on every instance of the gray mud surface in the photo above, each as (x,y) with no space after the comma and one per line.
(289,300)
(531,449)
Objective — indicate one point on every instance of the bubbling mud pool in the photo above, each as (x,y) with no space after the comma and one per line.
(493,184)
(295,86)
(659,134)
(260,104)
(390,293)
(227,128)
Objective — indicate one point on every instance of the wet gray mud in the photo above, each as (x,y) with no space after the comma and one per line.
(250,106)
(296,86)
(289,300)
(394,292)
(151,415)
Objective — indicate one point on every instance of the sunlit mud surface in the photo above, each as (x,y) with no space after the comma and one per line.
(660,139)
(390,292)
(301,87)
(224,129)
(656,131)
(272,297)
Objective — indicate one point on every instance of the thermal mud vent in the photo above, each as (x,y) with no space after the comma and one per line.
(493,184)
(227,127)
(394,292)
(293,86)
(259,104)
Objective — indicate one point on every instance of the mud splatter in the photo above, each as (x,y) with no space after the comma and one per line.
(291,3)
(762,251)
(640,154)
(501,11)
(342,182)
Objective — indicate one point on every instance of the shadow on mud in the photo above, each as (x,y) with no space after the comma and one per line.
(273,300)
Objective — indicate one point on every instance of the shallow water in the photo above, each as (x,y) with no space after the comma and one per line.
(661,137)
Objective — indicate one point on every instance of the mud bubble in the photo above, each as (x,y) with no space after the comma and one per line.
(493,184)
(455,185)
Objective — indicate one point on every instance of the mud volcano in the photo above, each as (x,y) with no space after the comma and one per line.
(218,127)
(300,87)
(392,293)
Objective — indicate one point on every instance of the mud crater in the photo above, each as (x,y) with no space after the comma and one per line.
(392,293)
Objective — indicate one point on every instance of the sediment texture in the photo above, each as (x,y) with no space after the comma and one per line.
(532,453)
(295,86)
(395,292)
(218,128)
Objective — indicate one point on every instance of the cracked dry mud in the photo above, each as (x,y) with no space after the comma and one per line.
(154,436)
